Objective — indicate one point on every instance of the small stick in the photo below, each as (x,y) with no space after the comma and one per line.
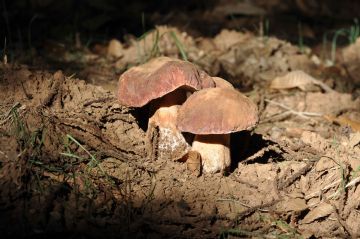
(302,114)
(322,85)
(294,177)
(99,100)
(261,153)
(250,210)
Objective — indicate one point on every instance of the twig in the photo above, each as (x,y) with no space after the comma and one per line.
(5,155)
(261,153)
(302,171)
(99,100)
(322,85)
(311,195)
(302,114)
(248,211)
(238,202)
(276,117)
(244,182)
(349,184)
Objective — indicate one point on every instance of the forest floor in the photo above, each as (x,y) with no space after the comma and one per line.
(73,161)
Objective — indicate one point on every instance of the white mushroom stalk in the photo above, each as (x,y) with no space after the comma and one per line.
(214,150)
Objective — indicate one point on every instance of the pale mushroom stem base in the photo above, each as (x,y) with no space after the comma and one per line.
(214,150)
(167,142)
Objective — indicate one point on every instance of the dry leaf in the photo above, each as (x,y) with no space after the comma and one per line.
(344,121)
(320,211)
(292,80)
(227,38)
(328,103)
(298,79)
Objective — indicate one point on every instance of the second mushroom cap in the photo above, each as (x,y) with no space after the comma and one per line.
(217,111)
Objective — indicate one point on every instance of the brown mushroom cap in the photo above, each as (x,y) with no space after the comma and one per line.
(158,77)
(221,83)
(217,111)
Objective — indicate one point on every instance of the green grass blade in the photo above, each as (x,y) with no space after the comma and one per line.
(179,45)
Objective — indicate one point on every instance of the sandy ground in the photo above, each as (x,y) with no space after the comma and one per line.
(73,161)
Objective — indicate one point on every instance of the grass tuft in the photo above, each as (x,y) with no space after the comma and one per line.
(179,45)
(351,33)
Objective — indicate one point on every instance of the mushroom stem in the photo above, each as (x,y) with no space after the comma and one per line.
(165,117)
(214,150)
(169,143)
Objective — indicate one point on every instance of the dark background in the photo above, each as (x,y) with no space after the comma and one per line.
(27,23)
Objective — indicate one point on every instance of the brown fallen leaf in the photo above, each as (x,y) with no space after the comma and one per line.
(340,102)
(297,79)
(344,121)
(228,38)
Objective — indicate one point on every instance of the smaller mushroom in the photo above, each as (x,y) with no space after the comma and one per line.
(212,114)
(221,83)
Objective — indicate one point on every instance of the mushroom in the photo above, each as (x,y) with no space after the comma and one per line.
(163,83)
(221,83)
(212,114)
